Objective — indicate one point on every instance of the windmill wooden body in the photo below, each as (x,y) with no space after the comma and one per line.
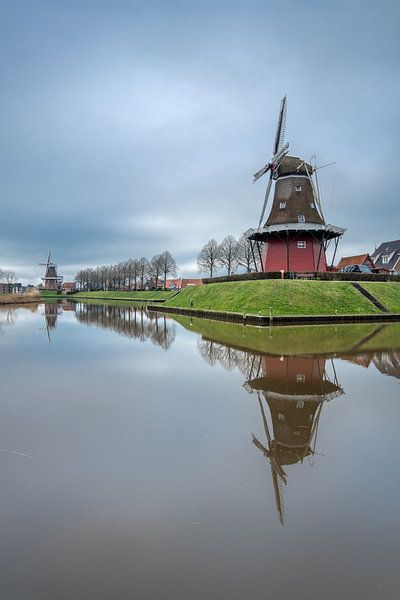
(51,280)
(295,236)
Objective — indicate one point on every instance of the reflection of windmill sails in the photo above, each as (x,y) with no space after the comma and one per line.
(294,388)
(129,321)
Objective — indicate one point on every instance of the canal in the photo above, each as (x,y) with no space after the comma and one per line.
(149,457)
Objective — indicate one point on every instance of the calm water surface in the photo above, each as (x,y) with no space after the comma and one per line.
(151,458)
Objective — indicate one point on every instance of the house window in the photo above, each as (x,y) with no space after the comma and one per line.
(302,244)
(282,204)
(300,404)
(298,188)
(300,378)
(301,219)
(385,260)
(312,204)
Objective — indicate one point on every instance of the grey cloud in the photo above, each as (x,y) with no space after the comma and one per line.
(129,128)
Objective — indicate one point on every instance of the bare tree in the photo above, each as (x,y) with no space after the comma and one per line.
(228,251)
(143,265)
(155,268)
(9,276)
(168,266)
(244,255)
(208,257)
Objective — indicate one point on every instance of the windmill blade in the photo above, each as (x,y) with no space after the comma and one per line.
(280,130)
(261,172)
(267,191)
(48,259)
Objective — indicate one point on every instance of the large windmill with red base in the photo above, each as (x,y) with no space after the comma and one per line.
(295,236)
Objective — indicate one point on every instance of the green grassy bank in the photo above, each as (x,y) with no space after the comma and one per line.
(387,292)
(49,293)
(285,297)
(139,295)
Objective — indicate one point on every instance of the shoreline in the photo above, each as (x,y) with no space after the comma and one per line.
(266,321)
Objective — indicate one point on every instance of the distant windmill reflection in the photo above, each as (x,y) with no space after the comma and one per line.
(295,389)
(51,313)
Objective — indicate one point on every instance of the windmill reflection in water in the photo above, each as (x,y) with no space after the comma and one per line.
(295,389)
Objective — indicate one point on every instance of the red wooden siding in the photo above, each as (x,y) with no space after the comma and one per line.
(275,256)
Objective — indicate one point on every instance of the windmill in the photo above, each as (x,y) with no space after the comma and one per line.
(51,280)
(295,236)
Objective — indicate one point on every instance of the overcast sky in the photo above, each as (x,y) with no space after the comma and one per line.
(128,128)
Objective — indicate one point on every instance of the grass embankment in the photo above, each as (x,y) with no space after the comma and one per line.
(49,293)
(291,341)
(387,292)
(19,298)
(139,295)
(285,297)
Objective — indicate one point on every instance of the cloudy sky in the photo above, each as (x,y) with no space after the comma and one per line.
(131,127)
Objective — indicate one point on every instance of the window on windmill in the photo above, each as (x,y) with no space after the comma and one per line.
(300,378)
(298,188)
(312,204)
(296,433)
(282,204)
(300,404)
(281,417)
(302,244)
(301,219)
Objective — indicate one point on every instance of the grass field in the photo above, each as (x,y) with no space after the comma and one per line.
(140,295)
(284,297)
(388,293)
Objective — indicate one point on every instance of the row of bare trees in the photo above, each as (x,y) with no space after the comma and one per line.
(130,274)
(231,254)
(7,276)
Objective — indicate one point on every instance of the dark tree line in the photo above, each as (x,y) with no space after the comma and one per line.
(231,254)
(132,274)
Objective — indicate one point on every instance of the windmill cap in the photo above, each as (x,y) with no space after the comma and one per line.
(292,165)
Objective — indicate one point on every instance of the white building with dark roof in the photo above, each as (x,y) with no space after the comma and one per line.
(387,256)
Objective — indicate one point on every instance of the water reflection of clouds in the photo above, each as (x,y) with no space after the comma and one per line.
(135,474)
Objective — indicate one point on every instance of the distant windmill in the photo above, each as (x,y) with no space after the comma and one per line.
(295,236)
(51,280)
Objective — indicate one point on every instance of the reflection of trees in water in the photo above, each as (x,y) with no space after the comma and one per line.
(229,358)
(131,322)
(7,318)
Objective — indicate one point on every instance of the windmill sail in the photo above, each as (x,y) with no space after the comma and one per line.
(280,131)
